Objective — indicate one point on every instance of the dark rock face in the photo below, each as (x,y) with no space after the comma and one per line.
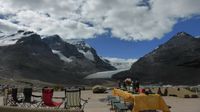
(56,43)
(79,60)
(99,63)
(30,58)
(175,62)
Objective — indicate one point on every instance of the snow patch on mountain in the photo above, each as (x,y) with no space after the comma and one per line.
(105,74)
(83,48)
(10,39)
(88,54)
(156,48)
(62,57)
(197,36)
(78,42)
(120,63)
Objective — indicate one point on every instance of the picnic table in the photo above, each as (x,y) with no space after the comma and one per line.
(142,101)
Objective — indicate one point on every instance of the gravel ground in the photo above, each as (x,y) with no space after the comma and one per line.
(97,102)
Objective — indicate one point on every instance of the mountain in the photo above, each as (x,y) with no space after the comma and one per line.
(91,54)
(26,55)
(175,62)
(79,53)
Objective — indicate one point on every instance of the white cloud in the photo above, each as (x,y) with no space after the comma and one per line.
(128,21)
(125,18)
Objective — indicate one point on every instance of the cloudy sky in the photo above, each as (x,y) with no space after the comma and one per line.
(133,27)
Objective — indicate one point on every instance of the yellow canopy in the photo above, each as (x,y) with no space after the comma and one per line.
(142,101)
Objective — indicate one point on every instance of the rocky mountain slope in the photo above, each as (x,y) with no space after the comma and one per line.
(175,62)
(26,55)
(91,54)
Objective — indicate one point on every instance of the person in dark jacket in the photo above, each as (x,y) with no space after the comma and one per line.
(137,84)
(124,85)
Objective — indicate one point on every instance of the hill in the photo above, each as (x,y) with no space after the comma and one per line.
(175,62)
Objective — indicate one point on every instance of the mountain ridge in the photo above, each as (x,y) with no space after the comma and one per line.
(175,62)
(31,57)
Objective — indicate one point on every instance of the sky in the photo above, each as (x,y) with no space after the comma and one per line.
(114,47)
(115,28)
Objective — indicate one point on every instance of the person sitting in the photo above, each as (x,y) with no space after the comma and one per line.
(148,91)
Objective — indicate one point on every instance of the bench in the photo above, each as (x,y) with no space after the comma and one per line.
(120,107)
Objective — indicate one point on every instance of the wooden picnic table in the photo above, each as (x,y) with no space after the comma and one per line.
(142,101)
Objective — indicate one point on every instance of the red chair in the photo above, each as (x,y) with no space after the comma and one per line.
(47,98)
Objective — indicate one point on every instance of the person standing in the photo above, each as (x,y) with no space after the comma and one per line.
(133,86)
(120,84)
(137,84)
(124,85)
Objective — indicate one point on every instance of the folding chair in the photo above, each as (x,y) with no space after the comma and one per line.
(15,100)
(27,101)
(7,97)
(109,98)
(120,107)
(73,99)
(47,96)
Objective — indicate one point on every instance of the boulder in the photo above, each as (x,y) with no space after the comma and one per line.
(98,89)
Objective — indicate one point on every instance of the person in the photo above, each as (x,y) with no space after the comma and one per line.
(124,85)
(165,92)
(159,91)
(137,84)
(128,82)
(119,84)
(148,91)
(141,90)
(133,86)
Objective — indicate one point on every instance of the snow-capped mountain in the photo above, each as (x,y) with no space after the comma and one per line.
(90,53)
(62,57)
(26,55)
(83,48)
(77,50)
